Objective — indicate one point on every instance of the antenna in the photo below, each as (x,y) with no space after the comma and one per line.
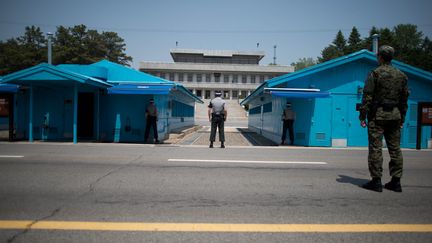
(274,55)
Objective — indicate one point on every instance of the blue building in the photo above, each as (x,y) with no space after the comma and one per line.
(103,101)
(324,98)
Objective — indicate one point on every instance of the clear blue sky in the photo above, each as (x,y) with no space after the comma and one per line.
(151,28)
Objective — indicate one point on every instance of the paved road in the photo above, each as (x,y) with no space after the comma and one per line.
(234,136)
(221,189)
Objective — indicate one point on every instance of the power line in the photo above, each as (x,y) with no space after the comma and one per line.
(206,31)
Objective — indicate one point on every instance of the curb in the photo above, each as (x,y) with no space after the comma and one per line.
(175,137)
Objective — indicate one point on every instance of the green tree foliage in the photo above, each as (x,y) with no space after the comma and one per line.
(410,45)
(303,63)
(340,42)
(22,52)
(334,50)
(354,41)
(74,45)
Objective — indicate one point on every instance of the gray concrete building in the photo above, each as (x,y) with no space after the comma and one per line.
(235,73)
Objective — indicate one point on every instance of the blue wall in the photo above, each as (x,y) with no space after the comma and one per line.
(333,121)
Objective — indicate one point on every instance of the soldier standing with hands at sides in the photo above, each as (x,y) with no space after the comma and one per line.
(288,118)
(217,114)
(151,121)
(384,104)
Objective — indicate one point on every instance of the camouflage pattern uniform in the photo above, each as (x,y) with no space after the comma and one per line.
(384,104)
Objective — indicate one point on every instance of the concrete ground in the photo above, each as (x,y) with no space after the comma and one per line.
(234,136)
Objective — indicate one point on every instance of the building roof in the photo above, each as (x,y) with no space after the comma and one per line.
(363,54)
(217,53)
(120,74)
(217,67)
(102,74)
(47,74)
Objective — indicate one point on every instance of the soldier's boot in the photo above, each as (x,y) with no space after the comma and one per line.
(222,145)
(394,185)
(211,145)
(374,185)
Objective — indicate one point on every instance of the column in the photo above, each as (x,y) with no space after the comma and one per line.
(75,118)
(31,114)
(97,114)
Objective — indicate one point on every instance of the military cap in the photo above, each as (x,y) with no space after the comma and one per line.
(386,51)
(218,93)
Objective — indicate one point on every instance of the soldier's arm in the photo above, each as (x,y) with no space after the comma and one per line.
(209,111)
(403,102)
(367,99)
(225,112)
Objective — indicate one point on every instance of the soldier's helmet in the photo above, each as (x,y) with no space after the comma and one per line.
(387,52)
(218,93)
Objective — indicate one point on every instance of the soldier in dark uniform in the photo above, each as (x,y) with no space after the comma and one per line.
(217,114)
(384,104)
(151,121)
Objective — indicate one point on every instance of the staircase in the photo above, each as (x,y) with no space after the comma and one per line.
(237,116)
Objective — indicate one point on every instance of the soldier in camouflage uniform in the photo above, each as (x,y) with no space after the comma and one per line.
(384,104)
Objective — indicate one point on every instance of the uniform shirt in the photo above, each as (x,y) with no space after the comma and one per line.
(385,85)
(152,110)
(288,114)
(217,106)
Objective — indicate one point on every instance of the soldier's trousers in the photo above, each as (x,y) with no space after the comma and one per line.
(391,132)
(217,123)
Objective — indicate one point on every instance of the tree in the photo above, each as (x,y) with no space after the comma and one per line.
(386,37)
(407,43)
(75,45)
(23,52)
(329,53)
(303,63)
(410,46)
(426,58)
(354,41)
(334,50)
(114,48)
(367,43)
(340,42)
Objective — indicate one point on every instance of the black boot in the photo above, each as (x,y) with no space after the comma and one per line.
(211,145)
(394,185)
(374,185)
(222,145)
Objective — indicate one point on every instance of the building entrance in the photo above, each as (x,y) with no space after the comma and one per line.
(86,115)
(6,117)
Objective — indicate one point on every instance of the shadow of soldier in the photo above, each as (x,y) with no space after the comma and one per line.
(351,180)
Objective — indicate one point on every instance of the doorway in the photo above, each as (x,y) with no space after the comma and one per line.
(6,117)
(86,115)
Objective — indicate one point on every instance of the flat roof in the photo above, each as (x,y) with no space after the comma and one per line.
(213,67)
(217,53)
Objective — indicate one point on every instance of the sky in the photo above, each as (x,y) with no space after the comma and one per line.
(150,28)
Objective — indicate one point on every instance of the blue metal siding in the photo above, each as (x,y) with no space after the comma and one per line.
(321,129)
(182,110)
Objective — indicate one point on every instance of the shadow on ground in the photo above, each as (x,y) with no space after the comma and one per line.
(255,139)
(351,180)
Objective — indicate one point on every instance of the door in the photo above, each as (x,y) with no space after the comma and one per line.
(357,135)
(339,119)
(86,115)
(409,132)
(6,117)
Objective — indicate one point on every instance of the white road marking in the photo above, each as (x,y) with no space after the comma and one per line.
(249,161)
(11,156)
